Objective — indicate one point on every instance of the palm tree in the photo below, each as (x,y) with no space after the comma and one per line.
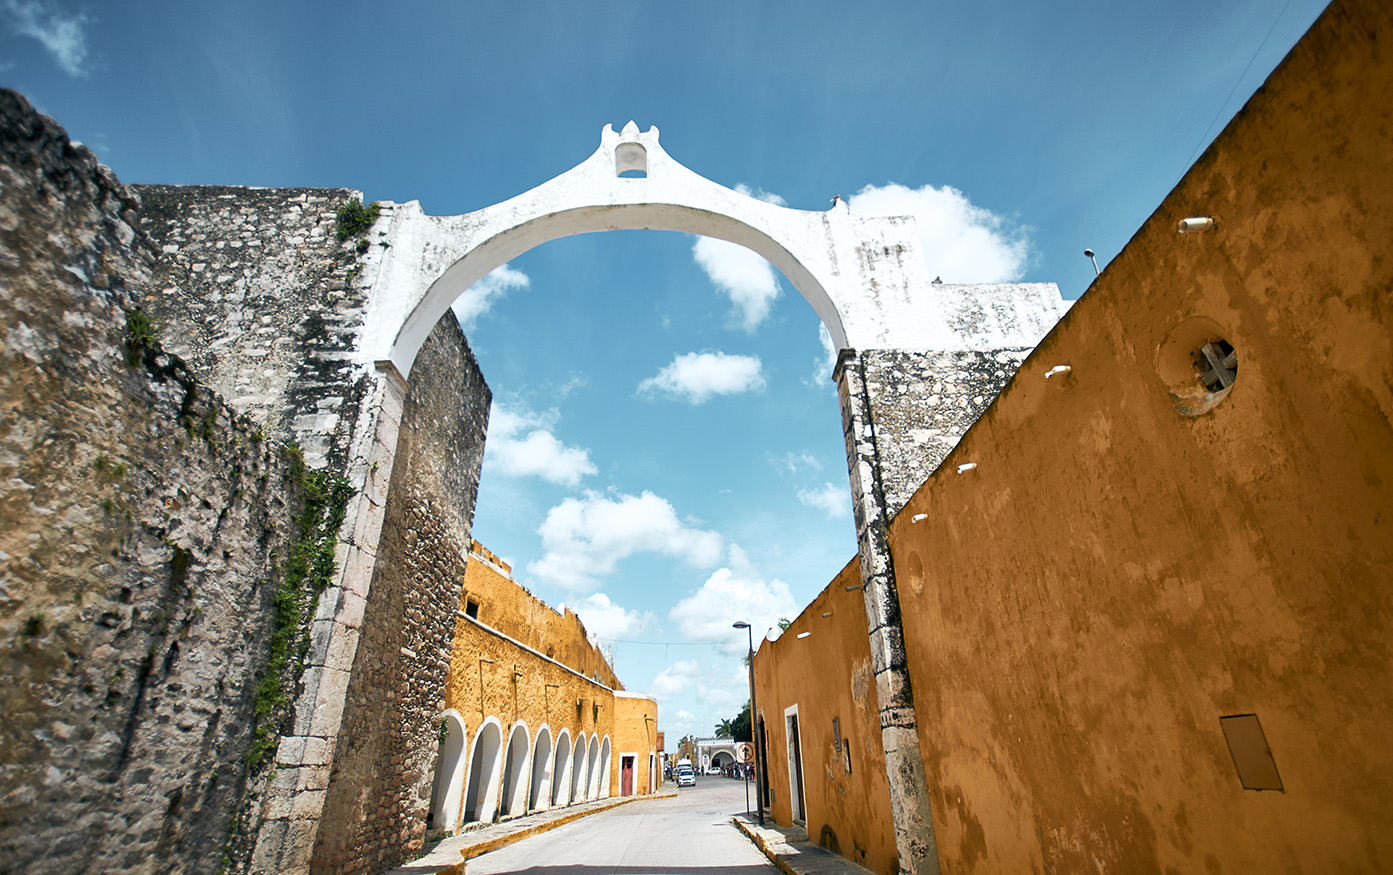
(724,729)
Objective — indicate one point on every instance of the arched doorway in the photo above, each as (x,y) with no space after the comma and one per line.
(513,799)
(578,772)
(449,773)
(592,787)
(605,766)
(561,771)
(538,797)
(481,800)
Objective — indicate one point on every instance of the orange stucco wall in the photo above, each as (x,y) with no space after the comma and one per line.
(828,676)
(506,606)
(635,733)
(1114,577)
(501,671)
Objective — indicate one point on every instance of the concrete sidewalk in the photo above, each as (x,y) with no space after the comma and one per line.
(448,856)
(790,850)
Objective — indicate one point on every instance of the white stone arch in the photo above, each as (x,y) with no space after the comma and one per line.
(578,773)
(481,797)
(449,772)
(513,799)
(592,769)
(539,788)
(864,275)
(561,770)
(606,765)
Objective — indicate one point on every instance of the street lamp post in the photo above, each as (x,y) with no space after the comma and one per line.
(754,725)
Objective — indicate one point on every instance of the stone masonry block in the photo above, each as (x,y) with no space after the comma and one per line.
(299,846)
(358,570)
(310,680)
(290,751)
(352,607)
(329,702)
(366,521)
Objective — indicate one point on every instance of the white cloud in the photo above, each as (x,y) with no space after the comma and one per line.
(742,274)
(795,462)
(676,679)
(760,194)
(521,444)
(584,538)
(697,376)
(65,36)
(733,593)
(476,300)
(833,500)
(823,366)
(963,243)
(605,621)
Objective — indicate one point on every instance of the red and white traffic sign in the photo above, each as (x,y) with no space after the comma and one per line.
(744,752)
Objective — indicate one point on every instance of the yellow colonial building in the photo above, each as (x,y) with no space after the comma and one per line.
(535,717)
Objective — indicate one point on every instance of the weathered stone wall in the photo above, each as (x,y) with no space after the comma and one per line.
(374,812)
(1121,570)
(138,520)
(828,676)
(921,404)
(256,292)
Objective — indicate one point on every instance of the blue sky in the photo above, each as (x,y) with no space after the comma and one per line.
(666,452)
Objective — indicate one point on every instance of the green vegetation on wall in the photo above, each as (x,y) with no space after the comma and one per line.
(355,219)
(308,570)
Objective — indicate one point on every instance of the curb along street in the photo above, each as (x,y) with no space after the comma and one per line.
(790,850)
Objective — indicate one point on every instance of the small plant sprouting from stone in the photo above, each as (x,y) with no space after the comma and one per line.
(308,570)
(34,626)
(363,246)
(141,336)
(356,219)
(444,729)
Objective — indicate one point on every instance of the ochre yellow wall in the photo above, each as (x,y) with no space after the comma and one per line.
(635,732)
(504,605)
(1114,577)
(498,670)
(828,675)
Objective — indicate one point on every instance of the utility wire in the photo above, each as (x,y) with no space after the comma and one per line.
(1232,91)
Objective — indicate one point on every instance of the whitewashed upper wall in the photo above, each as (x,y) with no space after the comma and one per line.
(865,276)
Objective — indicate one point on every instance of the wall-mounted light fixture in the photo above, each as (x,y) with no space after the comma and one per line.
(966,466)
(1195,224)
(1088,253)
(1058,371)
(802,635)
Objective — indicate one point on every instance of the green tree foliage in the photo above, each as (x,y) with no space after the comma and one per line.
(739,728)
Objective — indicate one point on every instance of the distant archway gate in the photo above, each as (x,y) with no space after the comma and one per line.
(864,276)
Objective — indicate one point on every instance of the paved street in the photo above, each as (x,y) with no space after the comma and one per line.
(689,835)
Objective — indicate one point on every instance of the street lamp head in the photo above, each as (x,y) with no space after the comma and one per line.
(740,624)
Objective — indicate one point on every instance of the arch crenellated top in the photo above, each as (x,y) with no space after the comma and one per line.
(864,276)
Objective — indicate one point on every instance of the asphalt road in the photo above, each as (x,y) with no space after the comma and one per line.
(689,835)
